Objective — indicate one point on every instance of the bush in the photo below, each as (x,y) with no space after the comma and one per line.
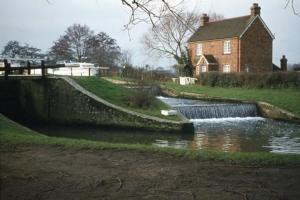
(251,80)
(140,99)
(141,74)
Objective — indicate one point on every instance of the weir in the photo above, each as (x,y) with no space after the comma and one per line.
(193,109)
(217,111)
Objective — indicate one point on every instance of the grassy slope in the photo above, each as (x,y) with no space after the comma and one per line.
(288,99)
(115,94)
(12,135)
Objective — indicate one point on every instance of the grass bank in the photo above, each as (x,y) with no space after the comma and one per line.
(12,135)
(288,99)
(116,94)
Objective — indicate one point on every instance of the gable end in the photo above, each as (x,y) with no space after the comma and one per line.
(264,24)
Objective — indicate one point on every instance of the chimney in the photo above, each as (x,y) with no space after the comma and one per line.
(204,19)
(283,63)
(255,10)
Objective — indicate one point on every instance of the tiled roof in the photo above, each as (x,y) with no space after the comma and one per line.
(227,28)
(210,59)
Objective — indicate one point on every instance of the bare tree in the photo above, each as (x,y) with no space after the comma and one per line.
(61,49)
(152,11)
(77,36)
(291,3)
(81,44)
(14,49)
(103,50)
(215,17)
(169,36)
(126,58)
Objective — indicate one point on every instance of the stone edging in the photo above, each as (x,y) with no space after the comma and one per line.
(265,109)
(79,88)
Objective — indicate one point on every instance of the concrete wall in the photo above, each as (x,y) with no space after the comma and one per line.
(63,101)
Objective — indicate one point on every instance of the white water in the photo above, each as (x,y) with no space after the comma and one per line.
(193,109)
(249,133)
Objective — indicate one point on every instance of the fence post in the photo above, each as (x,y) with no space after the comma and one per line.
(89,71)
(6,69)
(28,67)
(43,69)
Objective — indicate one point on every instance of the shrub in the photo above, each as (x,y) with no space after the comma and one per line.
(141,98)
(141,74)
(251,80)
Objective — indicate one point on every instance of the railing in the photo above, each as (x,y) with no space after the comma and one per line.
(8,69)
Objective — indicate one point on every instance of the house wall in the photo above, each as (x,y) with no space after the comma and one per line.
(215,48)
(256,48)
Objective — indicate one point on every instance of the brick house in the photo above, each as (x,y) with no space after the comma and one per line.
(242,44)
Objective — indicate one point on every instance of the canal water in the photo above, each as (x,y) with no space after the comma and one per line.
(219,126)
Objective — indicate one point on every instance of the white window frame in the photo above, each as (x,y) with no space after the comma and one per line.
(203,69)
(227,47)
(226,68)
(199,49)
(197,70)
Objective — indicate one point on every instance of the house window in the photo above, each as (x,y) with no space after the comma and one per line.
(227,47)
(226,68)
(203,68)
(197,70)
(199,49)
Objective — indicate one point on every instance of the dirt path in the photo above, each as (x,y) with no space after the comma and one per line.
(53,173)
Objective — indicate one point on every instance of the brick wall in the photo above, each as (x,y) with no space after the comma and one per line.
(256,49)
(215,48)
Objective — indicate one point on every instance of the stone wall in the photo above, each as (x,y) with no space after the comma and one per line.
(63,101)
(270,111)
(9,97)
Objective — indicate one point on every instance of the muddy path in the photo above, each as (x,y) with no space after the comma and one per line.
(54,173)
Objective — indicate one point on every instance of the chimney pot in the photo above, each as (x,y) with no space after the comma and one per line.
(204,19)
(255,9)
(283,63)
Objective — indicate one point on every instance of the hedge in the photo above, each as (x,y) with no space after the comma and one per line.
(251,80)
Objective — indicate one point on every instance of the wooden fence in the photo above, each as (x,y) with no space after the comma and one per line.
(8,69)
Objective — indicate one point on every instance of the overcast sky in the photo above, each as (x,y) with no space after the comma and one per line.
(39,23)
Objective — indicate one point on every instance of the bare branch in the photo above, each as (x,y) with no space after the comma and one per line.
(49,2)
(292,4)
(151,11)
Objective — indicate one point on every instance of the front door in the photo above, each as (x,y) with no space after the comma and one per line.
(203,69)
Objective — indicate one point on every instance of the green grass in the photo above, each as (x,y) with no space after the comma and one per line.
(13,135)
(288,99)
(116,94)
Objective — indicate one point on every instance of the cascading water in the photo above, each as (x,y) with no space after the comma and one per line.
(233,127)
(206,110)
(217,111)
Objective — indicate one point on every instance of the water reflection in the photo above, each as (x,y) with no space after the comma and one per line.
(251,134)
(229,135)
(247,134)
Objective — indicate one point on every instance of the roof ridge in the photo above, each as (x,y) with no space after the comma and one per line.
(231,27)
(228,19)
